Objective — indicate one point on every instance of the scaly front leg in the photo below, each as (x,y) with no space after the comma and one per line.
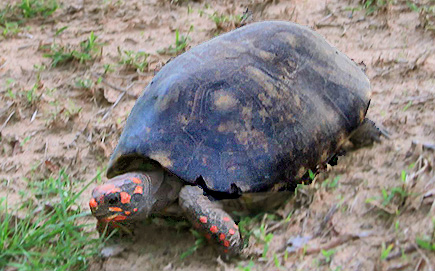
(211,220)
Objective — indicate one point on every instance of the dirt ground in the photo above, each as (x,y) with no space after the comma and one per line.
(384,197)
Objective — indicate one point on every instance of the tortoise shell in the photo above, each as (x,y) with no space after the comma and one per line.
(254,108)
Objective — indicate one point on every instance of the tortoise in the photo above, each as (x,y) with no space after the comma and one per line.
(246,113)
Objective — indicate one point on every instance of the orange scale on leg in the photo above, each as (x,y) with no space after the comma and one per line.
(214,229)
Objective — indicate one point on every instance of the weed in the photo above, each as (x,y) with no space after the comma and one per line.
(12,16)
(328,254)
(87,50)
(135,60)
(263,237)
(331,184)
(248,267)
(372,6)
(199,242)
(224,22)
(10,29)
(385,251)
(84,83)
(180,44)
(407,106)
(427,242)
(48,239)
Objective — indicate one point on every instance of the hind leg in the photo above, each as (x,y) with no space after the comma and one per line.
(366,134)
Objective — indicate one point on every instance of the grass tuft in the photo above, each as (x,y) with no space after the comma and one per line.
(49,238)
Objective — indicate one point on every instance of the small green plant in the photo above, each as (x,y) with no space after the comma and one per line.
(84,83)
(426,242)
(135,60)
(328,254)
(247,267)
(33,8)
(385,251)
(372,6)
(389,195)
(331,184)
(87,50)
(224,22)
(10,29)
(263,237)
(180,44)
(13,15)
(199,242)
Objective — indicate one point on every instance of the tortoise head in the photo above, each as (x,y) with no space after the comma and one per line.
(124,197)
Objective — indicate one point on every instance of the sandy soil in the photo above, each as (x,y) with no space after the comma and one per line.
(66,126)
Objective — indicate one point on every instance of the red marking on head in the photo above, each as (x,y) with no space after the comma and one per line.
(203,219)
(93,203)
(102,189)
(235,226)
(125,197)
(225,250)
(207,236)
(226,243)
(226,218)
(222,237)
(127,212)
(135,210)
(115,209)
(214,229)
(231,231)
(136,180)
(138,190)
(119,218)
(114,190)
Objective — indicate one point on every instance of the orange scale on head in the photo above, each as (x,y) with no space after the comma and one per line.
(138,190)
(125,197)
(93,203)
(226,219)
(115,209)
(226,243)
(127,212)
(231,231)
(222,237)
(136,180)
(235,226)
(120,218)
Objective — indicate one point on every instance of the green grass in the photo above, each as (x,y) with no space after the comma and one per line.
(86,51)
(371,6)
(47,237)
(12,16)
(180,45)
(135,60)
(385,251)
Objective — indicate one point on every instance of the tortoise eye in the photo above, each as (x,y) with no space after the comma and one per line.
(113,198)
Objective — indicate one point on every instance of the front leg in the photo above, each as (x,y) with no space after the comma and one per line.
(211,220)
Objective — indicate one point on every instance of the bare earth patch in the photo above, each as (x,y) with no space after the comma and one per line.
(372,211)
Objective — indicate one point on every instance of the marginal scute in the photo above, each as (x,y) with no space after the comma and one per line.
(162,157)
